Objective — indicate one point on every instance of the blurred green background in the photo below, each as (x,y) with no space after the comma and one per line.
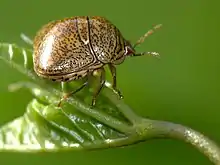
(182,87)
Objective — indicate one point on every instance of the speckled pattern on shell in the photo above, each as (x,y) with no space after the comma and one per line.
(70,48)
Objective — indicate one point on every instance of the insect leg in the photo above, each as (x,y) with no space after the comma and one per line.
(73,92)
(99,73)
(114,84)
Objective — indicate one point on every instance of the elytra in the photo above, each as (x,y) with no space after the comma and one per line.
(78,47)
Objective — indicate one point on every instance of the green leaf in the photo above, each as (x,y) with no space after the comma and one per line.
(44,126)
(75,125)
(48,128)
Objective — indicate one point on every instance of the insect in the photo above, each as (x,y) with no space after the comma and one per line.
(79,47)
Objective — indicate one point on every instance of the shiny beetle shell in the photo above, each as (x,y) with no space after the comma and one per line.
(68,49)
(77,47)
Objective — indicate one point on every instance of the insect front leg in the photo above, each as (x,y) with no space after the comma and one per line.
(114,83)
(100,74)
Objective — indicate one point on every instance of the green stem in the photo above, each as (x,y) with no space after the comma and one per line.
(47,97)
(142,129)
(101,117)
(119,142)
(149,129)
(122,107)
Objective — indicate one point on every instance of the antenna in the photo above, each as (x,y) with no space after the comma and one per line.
(149,32)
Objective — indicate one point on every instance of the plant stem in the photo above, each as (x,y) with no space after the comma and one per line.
(150,129)
(122,107)
(101,116)
(142,129)
(162,129)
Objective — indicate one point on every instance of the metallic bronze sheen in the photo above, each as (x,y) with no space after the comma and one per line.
(77,47)
(69,49)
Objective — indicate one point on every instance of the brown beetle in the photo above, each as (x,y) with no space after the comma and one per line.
(76,47)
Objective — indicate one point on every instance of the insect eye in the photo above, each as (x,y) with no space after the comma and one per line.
(129,51)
